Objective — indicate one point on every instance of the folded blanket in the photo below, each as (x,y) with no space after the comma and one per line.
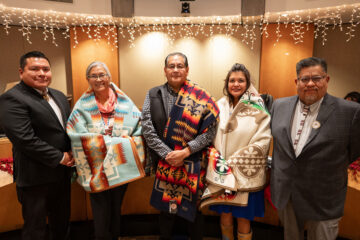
(102,161)
(192,114)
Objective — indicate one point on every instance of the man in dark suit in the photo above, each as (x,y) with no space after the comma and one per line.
(316,137)
(33,117)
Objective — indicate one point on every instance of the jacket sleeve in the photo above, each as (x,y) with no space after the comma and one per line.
(15,118)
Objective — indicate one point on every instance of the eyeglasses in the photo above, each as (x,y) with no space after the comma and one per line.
(314,79)
(173,66)
(96,77)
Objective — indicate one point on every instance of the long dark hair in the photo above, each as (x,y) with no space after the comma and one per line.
(237,67)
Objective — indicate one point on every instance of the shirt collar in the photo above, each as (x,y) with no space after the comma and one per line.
(41,92)
(313,107)
(170,89)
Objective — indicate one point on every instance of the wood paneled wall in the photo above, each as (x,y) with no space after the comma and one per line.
(279,58)
(87,51)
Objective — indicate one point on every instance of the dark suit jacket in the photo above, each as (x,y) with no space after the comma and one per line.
(37,136)
(316,180)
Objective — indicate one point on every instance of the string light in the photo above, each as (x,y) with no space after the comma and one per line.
(264,25)
(353,24)
(98,26)
(297,26)
(26,28)
(278,32)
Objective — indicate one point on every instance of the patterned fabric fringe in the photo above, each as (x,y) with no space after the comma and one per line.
(176,175)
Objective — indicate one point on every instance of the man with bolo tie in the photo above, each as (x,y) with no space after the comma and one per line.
(316,137)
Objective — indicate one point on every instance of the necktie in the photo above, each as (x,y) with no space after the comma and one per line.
(45,96)
(300,126)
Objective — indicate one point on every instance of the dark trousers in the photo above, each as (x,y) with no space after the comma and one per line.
(51,201)
(167,220)
(106,208)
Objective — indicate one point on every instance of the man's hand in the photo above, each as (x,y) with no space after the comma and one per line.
(68,159)
(176,158)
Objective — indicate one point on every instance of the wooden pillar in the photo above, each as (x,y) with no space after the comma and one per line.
(86,51)
(278,59)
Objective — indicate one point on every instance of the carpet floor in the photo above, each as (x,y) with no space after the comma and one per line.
(145,227)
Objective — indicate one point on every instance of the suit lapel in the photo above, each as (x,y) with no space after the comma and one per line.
(43,102)
(326,108)
(60,105)
(289,113)
(47,105)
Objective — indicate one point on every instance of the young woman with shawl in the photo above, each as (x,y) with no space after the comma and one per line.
(105,134)
(236,173)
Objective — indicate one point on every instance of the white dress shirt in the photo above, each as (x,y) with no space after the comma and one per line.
(54,106)
(308,126)
(56,109)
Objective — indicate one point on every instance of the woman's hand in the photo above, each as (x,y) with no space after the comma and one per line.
(176,157)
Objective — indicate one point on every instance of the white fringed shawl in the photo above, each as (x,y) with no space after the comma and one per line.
(238,161)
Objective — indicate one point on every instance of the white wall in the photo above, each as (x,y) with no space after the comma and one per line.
(288,5)
(142,7)
(142,67)
(172,8)
(78,6)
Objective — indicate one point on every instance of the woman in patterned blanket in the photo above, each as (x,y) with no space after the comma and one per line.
(236,173)
(105,133)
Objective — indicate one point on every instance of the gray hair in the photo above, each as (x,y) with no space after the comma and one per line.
(177,54)
(97,64)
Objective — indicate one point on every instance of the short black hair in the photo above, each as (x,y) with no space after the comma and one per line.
(177,54)
(354,96)
(310,62)
(32,54)
(237,67)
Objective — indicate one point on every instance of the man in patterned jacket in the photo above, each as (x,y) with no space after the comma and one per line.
(179,121)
